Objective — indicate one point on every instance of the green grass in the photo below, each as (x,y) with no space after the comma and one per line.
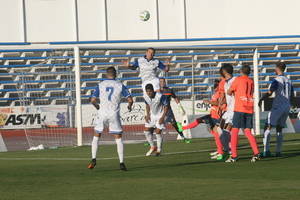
(185,176)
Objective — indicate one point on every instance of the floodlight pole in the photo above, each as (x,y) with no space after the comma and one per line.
(78,96)
(256,93)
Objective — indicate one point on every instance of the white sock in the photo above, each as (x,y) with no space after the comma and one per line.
(94,147)
(266,140)
(149,137)
(279,141)
(120,148)
(159,142)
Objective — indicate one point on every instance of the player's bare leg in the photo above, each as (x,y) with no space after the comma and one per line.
(94,148)
(120,149)
(221,155)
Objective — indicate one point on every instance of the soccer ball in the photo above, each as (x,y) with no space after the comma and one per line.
(145,15)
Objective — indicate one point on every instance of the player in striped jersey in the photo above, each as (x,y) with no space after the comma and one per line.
(149,68)
(284,94)
(110,93)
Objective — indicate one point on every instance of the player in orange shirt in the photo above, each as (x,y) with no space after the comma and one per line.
(212,120)
(242,88)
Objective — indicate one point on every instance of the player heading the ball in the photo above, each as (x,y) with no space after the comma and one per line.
(149,68)
(109,92)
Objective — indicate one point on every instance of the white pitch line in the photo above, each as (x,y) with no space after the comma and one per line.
(134,156)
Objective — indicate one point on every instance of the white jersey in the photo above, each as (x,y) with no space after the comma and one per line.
(282,86)
(149,69)
(229,98)
(156,104)
(110,93)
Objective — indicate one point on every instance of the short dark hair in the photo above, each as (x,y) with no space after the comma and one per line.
(228,68)
(149,86)
(281,66)
(221,72)
(151,48)
(246,69)
(111,70)
(216,83)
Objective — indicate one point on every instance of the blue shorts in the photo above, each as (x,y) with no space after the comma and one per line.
(242,120)
(278,117)
(170,118)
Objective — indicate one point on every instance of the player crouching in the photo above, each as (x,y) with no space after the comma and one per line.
(110,93)
(157,107)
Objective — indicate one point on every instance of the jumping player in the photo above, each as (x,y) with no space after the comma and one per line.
(242,88)
(284,95)
(149,68)
(157,107)
(110,93)
(213,120)
(169,93)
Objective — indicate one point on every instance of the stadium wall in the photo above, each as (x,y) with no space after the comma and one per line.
(86,20)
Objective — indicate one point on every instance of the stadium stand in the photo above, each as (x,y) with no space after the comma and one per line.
(192,71)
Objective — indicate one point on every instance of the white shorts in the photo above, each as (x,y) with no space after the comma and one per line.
(113,122)
(278,117)
(154,123)
(228,116)
(154,82)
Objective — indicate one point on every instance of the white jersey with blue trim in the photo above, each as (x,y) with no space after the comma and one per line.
(149,69)
(229,98)
(283,89)
(110,93)
(157,103)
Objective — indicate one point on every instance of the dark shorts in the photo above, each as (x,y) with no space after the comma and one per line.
(242,120)
(210,121)
(170,118)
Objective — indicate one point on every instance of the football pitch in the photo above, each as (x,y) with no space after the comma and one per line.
(184,172)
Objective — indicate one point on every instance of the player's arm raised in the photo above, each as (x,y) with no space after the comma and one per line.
(167,65)
(129,66)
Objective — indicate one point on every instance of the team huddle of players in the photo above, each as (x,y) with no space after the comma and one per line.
(232,109)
